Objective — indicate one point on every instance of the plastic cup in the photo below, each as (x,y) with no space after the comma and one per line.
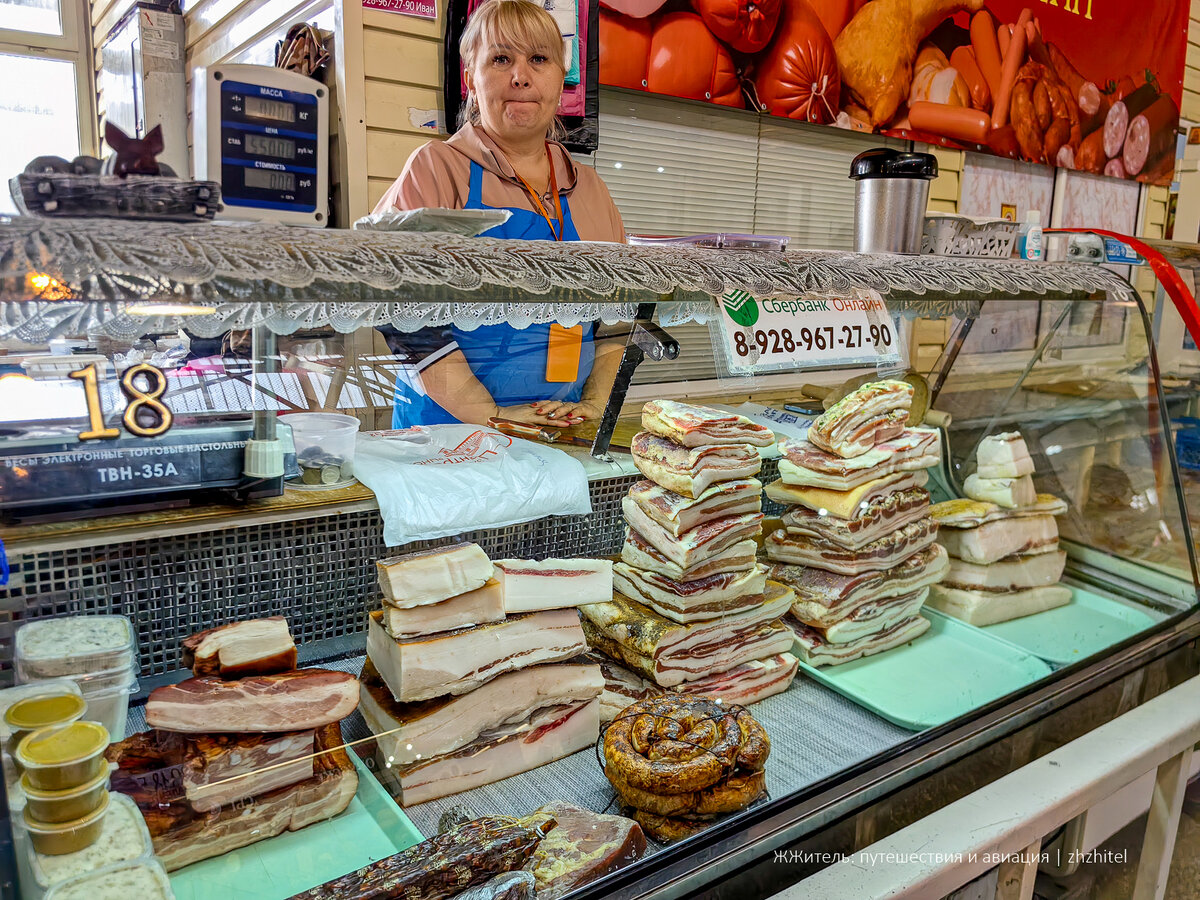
(56,807)
(324,446)
(66,837)
(64,756)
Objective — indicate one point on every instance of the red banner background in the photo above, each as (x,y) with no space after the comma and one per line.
(915,69)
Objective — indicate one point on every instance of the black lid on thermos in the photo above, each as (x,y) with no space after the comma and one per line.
(883,162)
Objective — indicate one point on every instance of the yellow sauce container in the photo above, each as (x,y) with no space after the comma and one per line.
(66,837)
(64,756)
(57,706)
(55,807)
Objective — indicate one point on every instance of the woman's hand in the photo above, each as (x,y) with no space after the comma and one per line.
(527,414)
(564,413)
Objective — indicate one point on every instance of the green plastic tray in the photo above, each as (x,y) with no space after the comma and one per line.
(1066,634)
(371,827)
(950,670)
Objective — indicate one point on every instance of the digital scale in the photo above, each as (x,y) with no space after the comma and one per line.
(47,473)
(263,133)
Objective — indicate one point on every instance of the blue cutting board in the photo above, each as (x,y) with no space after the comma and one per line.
(948,671)
(1067,634)
(370,828)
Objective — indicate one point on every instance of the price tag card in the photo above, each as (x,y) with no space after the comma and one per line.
(422,9)
(812,331)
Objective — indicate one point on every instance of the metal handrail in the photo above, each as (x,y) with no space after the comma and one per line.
(1003,824)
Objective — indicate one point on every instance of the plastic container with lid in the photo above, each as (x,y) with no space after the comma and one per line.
(74,645)
(123,837)
(324,447)
(53,807)
(10,697)
(57,704)
(58,838)
(110,707)
(143,879)
(64,756)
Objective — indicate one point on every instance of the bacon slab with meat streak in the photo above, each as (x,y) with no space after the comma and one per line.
(409,732)
(965,513)
(878,519)
(875,616)
(993,541)
(991,607)
(621,686)
(691,471)
(292,701)
(814,650)
(846,504)
(749,682)
(698,544)
(640,553)
(1015,573)
(824,598)
(530,586)
(456,662)
(692,601)
(884,553)
(806,465)
(252,647)
(670,653)
(876,412)
(183,836)
(701,426)
(549,734)
(678,514)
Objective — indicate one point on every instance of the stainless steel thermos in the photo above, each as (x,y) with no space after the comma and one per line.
(891,190)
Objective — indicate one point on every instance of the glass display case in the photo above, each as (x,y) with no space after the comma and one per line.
(964,528)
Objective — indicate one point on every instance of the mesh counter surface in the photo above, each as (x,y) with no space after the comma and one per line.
(814,733)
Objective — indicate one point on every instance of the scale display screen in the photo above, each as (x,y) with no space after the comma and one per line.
(270,179)
(266,145)
(272,144)
(266,108)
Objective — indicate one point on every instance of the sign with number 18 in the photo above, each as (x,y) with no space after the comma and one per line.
(145,414)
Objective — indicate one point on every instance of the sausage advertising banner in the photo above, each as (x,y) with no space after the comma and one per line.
(1093,85)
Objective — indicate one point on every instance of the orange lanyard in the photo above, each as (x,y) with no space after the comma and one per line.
(537,201)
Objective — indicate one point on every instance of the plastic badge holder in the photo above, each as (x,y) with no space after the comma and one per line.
(143,879)
(123,840)
(74,645)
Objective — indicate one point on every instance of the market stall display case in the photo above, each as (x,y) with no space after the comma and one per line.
(208,521)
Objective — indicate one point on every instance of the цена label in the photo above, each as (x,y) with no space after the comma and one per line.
(806,332)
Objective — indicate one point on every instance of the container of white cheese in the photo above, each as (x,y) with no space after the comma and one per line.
(74,645)
(123,838)
(141,879)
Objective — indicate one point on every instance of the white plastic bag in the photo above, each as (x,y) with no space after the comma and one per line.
(466,477)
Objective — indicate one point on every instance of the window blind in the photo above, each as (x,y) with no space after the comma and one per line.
(675,167)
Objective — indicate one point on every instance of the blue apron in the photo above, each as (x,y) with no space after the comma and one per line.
(509,362)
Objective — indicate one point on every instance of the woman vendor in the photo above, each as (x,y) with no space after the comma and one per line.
(503,157)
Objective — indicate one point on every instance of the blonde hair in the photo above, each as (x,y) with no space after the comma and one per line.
(523,25)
